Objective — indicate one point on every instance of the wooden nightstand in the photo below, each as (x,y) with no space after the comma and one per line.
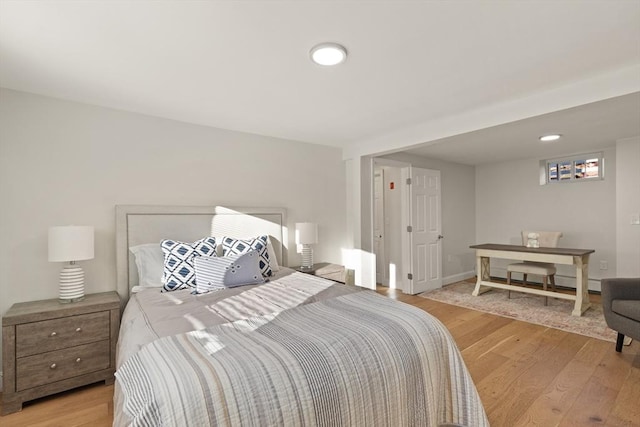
(49,347)
(333,272)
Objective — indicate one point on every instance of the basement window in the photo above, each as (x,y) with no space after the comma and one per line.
(579,168)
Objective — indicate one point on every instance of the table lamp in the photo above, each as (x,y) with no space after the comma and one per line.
(70,244)
(306,235)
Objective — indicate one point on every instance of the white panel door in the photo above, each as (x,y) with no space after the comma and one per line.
(426,233)
(378,227)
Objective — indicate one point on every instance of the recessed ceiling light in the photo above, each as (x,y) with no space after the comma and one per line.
(549,138)
(328,54)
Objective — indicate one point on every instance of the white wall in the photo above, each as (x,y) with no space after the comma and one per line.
(627,206)
(509,198)
(458,213)
(68,163)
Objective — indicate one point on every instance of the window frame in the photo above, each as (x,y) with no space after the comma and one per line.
(546,166)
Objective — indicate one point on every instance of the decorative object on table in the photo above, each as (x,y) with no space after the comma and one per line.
(532,240)
(621,304)
(536,239)
(306,235)
(70,244)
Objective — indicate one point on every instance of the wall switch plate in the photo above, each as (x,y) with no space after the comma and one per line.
(635,219)
(604,265)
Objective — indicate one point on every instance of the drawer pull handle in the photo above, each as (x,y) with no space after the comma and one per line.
(53,334)
(53,366)
(78,360)
(78,329)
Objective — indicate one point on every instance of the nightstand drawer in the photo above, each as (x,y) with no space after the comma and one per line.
(41,369)
(55,334)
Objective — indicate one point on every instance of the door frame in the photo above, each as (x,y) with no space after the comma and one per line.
(380,247)
(405,284)
(405,169)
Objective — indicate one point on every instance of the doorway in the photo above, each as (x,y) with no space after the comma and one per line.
(387,221)
(406,226)
(379,232)
(387,224)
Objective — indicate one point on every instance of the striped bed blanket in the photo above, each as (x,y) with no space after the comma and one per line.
(355,360)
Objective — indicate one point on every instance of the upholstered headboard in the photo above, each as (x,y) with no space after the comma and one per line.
(138,224)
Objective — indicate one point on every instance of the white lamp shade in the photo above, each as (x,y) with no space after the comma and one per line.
(306,233)
(70,243)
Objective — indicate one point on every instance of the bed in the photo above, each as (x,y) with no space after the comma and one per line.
(297,350)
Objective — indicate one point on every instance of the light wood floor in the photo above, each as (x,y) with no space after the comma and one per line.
(530,375)
(527,375)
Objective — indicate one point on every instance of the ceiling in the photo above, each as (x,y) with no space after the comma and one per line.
(587,128)
(244,65)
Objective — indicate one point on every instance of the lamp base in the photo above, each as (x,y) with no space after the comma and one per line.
(307,257)
(71,284)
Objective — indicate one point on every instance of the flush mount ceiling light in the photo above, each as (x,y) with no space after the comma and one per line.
(328,54)
(549,138)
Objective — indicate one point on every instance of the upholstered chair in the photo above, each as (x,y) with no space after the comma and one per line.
(621,306)
(545,239)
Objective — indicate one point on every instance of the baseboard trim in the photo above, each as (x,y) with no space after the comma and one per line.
(458,277)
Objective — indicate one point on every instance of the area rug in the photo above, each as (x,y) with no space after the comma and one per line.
(528,308)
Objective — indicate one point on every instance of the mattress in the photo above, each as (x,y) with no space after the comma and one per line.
(299,350)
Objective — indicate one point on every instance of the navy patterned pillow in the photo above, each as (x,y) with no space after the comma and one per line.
(233,246)
(179,271)
(215,273)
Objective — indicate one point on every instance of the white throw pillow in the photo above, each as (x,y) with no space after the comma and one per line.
(150,263)
(273,259)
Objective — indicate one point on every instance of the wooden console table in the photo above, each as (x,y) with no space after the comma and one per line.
(577,257)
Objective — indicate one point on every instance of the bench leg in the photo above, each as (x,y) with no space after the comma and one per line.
(509,283)
(544,288)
